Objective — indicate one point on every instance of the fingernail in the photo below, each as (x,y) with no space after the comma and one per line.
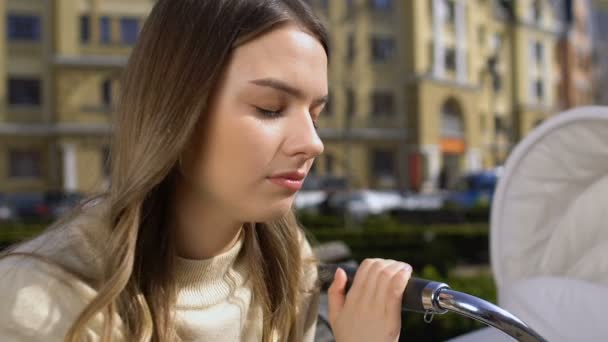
(407,268)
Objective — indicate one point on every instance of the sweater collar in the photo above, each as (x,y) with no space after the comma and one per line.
(205,282)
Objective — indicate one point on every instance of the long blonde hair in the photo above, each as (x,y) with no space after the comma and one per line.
(174,67)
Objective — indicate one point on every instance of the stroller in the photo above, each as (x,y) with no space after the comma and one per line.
(548,241)
(549,230)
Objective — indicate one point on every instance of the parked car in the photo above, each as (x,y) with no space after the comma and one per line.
(474,189)
(309,200)
(315,190)
(42,206)
(60,202)
(415,201)
(29,206)
(6,211)
(325,183)
(363,202)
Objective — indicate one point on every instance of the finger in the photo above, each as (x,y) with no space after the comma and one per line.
(376,274)
(395,297)
(360,282)
(335,295)
(384,283)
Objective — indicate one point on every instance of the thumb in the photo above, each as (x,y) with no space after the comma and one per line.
(336,295)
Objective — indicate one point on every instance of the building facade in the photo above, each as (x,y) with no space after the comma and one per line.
(575,56)
(60,61)
(420,91)
(423,91)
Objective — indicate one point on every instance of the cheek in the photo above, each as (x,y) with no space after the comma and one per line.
(240,152)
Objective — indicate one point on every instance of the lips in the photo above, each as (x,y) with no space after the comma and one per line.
(290,180)
(293,175)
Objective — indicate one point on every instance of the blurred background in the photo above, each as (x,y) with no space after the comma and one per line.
(427,99)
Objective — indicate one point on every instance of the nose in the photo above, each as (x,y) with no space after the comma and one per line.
(303,139)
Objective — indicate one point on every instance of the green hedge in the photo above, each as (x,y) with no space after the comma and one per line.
(14,232)
(441,246)
(433,250)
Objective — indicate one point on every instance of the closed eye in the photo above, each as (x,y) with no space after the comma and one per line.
(268,113)
(271,114)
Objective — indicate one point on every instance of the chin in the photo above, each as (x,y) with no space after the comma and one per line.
(272,212)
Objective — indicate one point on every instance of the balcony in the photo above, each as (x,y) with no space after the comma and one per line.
(385,121)
(367,127)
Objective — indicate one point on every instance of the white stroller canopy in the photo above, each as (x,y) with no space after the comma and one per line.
(550,213)
(549,230)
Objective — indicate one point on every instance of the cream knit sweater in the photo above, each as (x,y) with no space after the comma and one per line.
(40,300)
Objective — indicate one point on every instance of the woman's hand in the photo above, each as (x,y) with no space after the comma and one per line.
(371,310)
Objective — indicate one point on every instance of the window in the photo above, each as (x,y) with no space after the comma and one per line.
(350,102)
(350,48)
(450,8)
(85,29)
(25,164)
(383,103)
(350,6)
(496,82)
(381,5)
(105,35)
(450,59)
(539,89)
(382,49)
(24,91)
(24,27)
(129,29)
(383,163)
(538,52)
(106,93)
(452,125)
(500,125)
(536,11)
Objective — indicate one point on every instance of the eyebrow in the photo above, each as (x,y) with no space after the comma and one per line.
(286,88)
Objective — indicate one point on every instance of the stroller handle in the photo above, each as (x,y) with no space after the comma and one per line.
(430,298)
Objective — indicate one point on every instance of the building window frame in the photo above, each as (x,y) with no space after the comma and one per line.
(105,30)
(383,103)
(350,106)
(85,29)
(450,59)
(24,27)
(106,93)
(129,30)
(539,52)
(24,163)
(383,162)
(384,48)
(382,6)
(350,47)
(539,89)
(24,91)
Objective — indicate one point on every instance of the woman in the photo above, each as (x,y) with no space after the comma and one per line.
(195,239)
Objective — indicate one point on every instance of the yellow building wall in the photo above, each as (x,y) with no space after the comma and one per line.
(10,184)
(76,92)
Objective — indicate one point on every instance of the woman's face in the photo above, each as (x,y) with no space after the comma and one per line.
(261,123)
